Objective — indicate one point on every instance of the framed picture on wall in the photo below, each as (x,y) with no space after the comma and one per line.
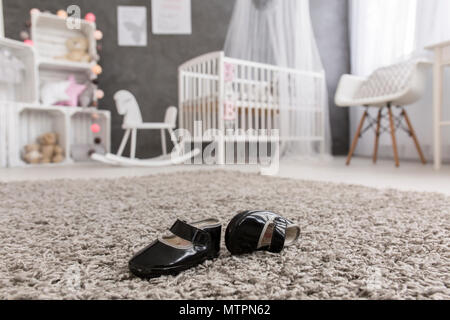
(132,26)
(171,17)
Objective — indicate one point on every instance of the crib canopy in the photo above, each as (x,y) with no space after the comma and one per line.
(280,33)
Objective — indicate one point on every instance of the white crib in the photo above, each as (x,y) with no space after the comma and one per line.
(226,93)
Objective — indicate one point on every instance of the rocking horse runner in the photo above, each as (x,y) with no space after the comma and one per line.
(127,106)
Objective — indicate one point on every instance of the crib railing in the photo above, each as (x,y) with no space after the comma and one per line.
(226,93)
(199,92)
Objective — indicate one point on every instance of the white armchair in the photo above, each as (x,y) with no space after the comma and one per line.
(397,85)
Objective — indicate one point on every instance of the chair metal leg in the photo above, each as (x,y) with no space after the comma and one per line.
(414,137)
(356,138)
(124,142)
(377,136)
(133,143)
(394,140)
(163,142)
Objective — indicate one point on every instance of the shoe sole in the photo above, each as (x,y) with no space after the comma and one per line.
(155,273)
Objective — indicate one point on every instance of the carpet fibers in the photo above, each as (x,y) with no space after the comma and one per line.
(72,239)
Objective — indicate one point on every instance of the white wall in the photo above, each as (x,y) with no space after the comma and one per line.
(2,27)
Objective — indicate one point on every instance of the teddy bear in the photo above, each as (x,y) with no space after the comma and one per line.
(58,155)
(46,150)
(77,50)
(32,153)
(47,144)
(50,150)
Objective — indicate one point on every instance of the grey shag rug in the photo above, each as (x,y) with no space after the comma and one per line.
(71,239)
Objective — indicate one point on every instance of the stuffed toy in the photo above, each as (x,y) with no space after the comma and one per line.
(58,155)
(86,98)
(77,50)
(47,151)
(54,92)
(47,142)
(63,93)
(48,139)
(74,91)
(32,154)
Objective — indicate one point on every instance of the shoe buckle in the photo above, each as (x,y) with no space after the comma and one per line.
(200,237)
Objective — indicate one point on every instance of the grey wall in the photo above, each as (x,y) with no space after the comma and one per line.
(151,72)
(330,22)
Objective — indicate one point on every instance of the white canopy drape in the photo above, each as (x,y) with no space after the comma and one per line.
(279,32)
(385,32)
(432,22)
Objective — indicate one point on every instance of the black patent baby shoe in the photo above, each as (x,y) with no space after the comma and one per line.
(255,230)
(186,246)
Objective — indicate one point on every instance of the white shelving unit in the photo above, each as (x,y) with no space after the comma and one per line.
(80,120)
(50,33)
(72,124)
(22,118)
(27,122)
(27,90)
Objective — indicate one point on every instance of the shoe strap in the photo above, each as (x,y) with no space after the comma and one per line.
(278,235)
(190,233)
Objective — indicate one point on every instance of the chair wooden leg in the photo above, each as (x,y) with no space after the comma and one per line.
(377,136)
(356,138)
(394,140)
(414,137)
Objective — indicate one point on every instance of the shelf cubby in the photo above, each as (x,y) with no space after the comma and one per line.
(25,91)
(28,122)
(50,33)
(81,120)
(71,124)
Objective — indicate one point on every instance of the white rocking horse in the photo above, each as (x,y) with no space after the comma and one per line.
(127,106)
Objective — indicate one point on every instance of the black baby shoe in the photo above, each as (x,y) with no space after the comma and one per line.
(186,246)
(255,230)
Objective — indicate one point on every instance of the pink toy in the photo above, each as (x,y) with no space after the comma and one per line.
(29,42)
(73,91)
(95,128)
(90,17)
